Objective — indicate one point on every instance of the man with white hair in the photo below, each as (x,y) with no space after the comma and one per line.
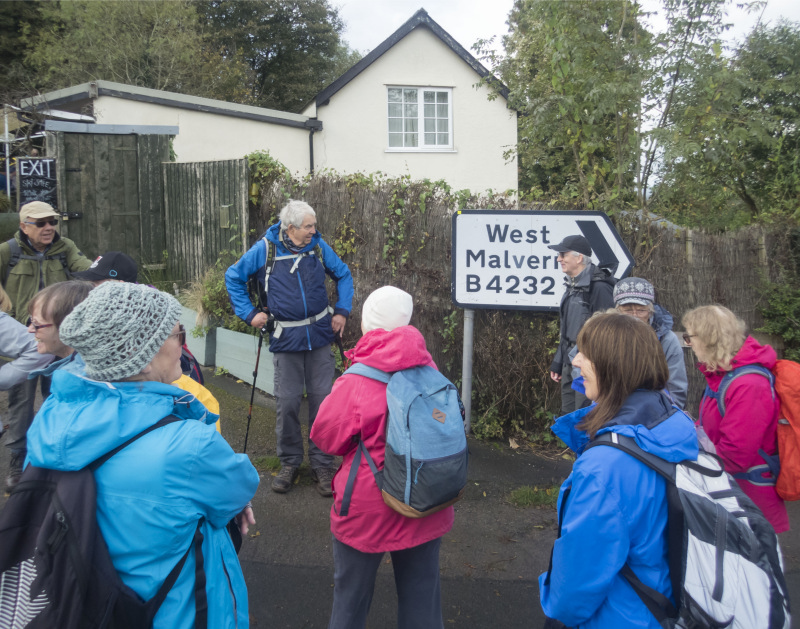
(290,263)
(589,289)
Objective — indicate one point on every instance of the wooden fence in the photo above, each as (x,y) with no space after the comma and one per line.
(407,243)
(206,213)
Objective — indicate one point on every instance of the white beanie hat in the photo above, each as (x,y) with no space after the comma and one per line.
(386,308)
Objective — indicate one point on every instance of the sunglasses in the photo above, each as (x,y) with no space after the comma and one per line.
(181,334)
(42,222)
(687,338)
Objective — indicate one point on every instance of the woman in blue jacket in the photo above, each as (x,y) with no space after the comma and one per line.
(152,494)
(613,509)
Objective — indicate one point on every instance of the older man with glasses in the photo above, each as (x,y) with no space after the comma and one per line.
(588,289)
(37,256)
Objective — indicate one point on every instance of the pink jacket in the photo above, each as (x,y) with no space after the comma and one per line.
(356,407)
(750,424)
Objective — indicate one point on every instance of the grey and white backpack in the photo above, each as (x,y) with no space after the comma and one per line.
(726,567)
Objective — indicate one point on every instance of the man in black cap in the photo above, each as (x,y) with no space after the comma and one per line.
(589,289)
(113,265)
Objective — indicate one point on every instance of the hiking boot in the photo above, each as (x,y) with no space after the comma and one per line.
(15,468)
(323,476)
(283,481)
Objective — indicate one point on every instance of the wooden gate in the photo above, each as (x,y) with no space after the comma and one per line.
(110,191)
(206,213)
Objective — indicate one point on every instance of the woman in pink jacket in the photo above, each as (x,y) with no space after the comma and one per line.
(356,409)
(718,339)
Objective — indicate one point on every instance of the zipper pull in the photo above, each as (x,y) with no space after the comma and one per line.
(54,541)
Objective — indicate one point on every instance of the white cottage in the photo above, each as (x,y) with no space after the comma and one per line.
(414,106)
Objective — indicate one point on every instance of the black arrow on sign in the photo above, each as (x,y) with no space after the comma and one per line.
(600,247)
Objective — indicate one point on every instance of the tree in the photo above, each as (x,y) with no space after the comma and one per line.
(15,78)
(158,44)
(740,160)
(595,85)
(292,47)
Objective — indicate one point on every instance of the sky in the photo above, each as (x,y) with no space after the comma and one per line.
(369,22)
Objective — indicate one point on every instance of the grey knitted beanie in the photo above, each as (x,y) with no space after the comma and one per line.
(119,328)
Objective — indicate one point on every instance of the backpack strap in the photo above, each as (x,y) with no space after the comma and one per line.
(659,605)
(17,255)
(360,369)
(374,373)
(16,252)
(201,599)
(351,477)
(719,394)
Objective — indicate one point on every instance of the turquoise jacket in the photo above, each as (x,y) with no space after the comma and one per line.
(151,495)
(72,363)
(613,510)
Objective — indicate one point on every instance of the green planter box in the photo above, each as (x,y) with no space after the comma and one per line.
(237,352)
(204,347)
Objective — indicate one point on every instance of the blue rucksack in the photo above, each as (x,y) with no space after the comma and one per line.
(425,465)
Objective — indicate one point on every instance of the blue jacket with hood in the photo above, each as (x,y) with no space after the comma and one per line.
(151,495)
(296,290)
(678,383)
(612,511)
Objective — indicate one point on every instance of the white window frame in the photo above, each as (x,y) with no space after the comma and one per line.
(391,130)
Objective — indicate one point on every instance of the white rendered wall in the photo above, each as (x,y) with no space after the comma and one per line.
(207,136)
(354,134)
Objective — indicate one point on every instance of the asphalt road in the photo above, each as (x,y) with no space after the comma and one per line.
(490,561)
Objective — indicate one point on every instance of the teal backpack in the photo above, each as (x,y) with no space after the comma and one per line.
(425,465)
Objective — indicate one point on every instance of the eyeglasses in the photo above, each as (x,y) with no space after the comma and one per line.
(181,334)
(37,326)
(687,338)
(634,310)
(42,222)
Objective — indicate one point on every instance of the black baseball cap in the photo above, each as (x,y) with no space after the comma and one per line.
(578,244)
(112,265)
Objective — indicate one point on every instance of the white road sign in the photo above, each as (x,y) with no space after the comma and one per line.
(501,258)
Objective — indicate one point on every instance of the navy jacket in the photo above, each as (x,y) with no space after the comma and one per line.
(296,290)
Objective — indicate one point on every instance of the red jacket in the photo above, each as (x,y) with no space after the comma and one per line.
(750,424)
(356,407)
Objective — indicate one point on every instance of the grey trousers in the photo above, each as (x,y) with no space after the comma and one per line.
(313,370)
(21,398)
(416,577)
(571,400)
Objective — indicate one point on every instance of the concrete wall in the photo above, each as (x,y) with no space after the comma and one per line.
(355,128)
(208,136)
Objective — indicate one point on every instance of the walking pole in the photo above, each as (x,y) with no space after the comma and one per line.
(261,333)
(338,338)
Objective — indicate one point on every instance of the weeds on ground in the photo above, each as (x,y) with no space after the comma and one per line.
(267,463)
(527,496)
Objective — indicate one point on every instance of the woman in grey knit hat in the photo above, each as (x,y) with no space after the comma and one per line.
(152,494)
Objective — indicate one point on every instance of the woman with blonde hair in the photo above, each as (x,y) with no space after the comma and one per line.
(745,435)
(613,508)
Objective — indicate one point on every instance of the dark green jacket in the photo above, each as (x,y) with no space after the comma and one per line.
(28,277)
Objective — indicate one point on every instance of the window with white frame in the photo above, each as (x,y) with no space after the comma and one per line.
(420,118)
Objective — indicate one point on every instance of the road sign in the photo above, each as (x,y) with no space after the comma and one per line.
(501,258)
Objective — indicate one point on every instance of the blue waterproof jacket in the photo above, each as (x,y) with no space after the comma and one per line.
(612,511)
(678,383)
(296,291)
(151,495)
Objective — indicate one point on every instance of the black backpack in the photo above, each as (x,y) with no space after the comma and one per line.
(55,568)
